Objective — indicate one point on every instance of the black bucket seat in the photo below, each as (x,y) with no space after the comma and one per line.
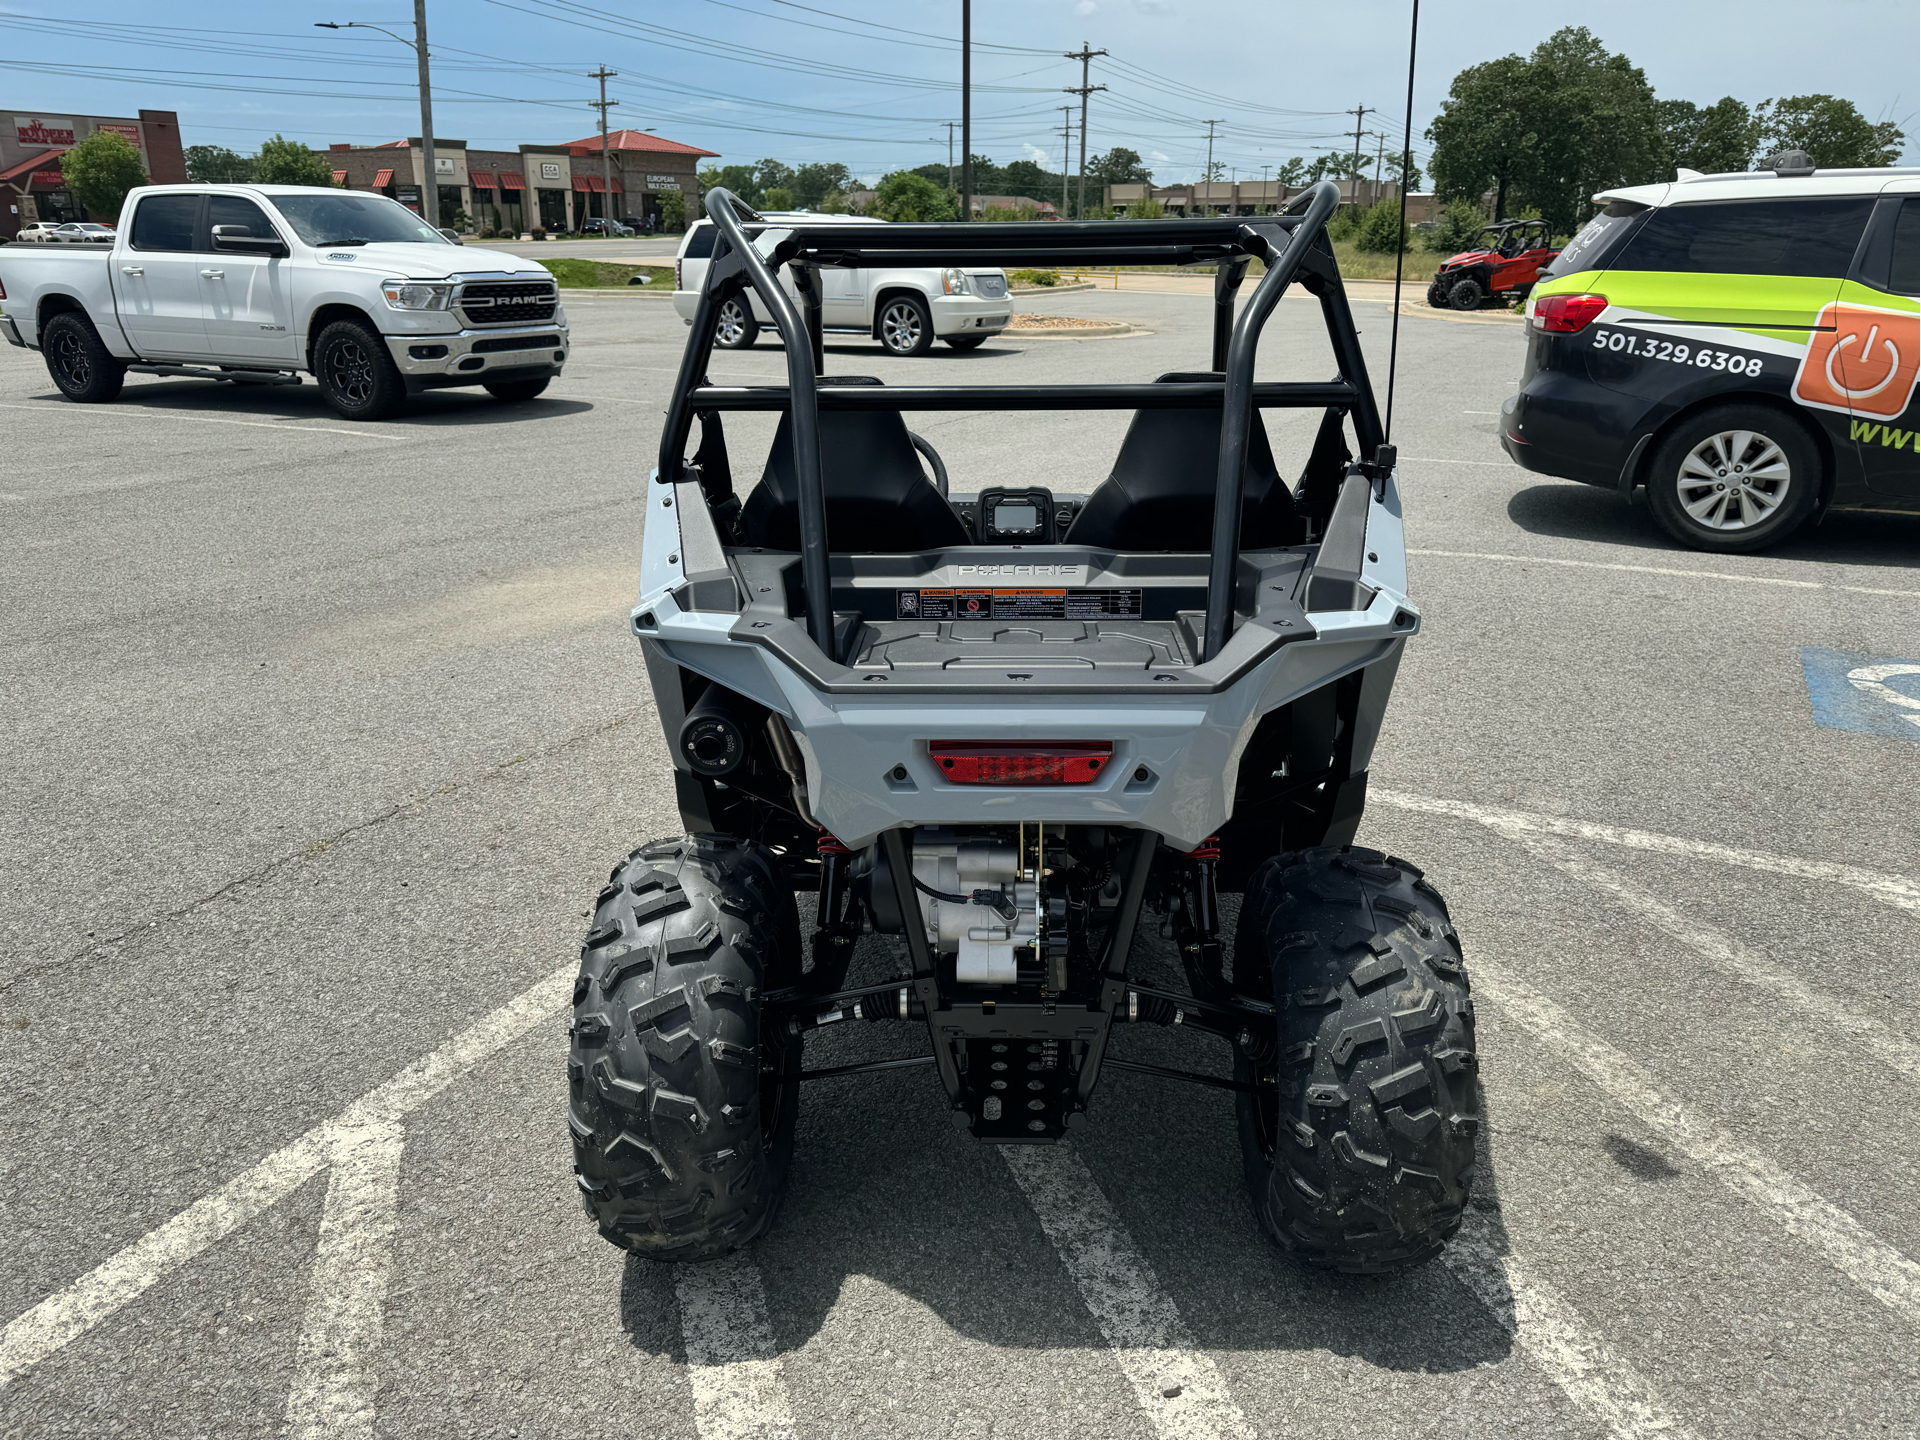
(878,497)
(1160,494)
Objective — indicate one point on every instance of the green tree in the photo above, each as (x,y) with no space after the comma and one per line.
(905,195)
(1146,208)
(776,197)
(737,178)
(1713,139)
(1380,230)
(287,162)
(673,210)
(101,169)
(1457,225)
(1832,132)
(773,175)
(1119,166)
(217,165)
(834,202)
(813,183)
(1026,177)
(1292,174)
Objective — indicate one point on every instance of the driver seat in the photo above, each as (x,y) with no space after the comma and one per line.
(878,497)
(1160,494)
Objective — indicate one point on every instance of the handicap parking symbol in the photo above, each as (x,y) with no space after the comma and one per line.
(1878,694)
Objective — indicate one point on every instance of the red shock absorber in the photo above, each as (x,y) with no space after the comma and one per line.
(828,846)
(1207,850)
(1207,909)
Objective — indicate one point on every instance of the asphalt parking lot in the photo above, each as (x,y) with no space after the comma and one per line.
(320,737)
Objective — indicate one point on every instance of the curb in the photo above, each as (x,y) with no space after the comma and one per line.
(1068,289)
(1112,330)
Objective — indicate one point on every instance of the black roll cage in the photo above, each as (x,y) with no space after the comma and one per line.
(1289,244)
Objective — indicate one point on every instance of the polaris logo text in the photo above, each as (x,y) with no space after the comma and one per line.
(1058,571)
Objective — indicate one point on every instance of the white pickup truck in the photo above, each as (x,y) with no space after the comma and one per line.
(905,309)
(257,283)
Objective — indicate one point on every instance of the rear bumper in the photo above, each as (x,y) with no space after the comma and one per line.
(1574,430)
(474,357)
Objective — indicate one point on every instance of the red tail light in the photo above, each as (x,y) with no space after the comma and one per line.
(1021,763)
(1565,314)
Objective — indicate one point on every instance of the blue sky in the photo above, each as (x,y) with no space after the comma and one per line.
(870,82)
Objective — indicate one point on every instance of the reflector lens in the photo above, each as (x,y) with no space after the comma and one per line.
(1566,314)
(1021,763)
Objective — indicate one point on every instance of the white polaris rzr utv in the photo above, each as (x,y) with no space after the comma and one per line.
(1000,729)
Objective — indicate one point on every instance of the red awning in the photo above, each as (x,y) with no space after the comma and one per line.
(383,178)
(14,172)
(580,183)
(340,177)
(598,184)
(481,179)
(510,180)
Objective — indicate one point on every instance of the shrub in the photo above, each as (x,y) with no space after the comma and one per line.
(539,232)
(1146,208)
(673,210)
(1008,212)
(1455,226)
(1033,277)
(907,196)
(1345,220)
(777,197)
(1380,229)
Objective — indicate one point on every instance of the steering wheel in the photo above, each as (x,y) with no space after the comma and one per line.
(933,459)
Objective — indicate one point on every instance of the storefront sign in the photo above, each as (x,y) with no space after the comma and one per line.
(663,182)
(130,132)
(443,165)
(550,170)
(54,179)
(34,130)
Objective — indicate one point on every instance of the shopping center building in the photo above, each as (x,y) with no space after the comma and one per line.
(554,186)
(31,184)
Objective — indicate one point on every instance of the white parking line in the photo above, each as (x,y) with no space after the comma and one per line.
(122,409)
(1896,890)
(1598,1380)
(732,1365)
(1878,1268)
(1653,569)
(333,1390)
(1897,1052)
(1178,1385)
(67,1314)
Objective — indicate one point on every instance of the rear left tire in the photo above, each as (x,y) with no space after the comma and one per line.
(682,1103)
(79,361)
(1358,1137)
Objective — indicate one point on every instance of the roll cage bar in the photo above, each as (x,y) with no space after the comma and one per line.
(1293,243)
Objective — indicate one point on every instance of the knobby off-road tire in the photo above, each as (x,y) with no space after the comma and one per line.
(79,361)
(1359,1138)
(357,376)
(682,1107)
(1466,293)
(1436,296)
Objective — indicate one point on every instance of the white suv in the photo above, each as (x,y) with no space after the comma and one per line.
(905,309)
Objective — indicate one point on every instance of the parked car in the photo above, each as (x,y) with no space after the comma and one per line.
(259,283)
(904,308)
(594,225)
(1743,346)
(83,232)
(41,232)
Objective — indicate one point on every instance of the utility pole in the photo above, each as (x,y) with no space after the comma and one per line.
(950,124)
(603,75)
(967,110)
(1264,170)
(419,43)
(1067,162)
(1207,175)
(1380,141)
(1354,184)
(1084,55)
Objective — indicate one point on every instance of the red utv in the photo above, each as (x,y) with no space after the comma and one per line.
(1506,259)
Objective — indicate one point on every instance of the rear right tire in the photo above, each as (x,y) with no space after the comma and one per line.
(1358,1137)
(682,1104)
(79,361)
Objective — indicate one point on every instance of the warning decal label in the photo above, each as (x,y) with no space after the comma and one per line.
(1031,603)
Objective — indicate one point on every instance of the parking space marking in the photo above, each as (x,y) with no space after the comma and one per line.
(1177,1384)
(1654,569)
(1854,691)
(1726,954)
(1899,891)
(124,1277)
(333,1390)
(1885,1273)
(1597,1379)
(732,1365)
(136,410)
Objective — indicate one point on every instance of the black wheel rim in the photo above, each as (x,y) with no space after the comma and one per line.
(76,368)
(350,372)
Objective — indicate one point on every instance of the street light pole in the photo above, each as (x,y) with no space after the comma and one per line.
(431,185)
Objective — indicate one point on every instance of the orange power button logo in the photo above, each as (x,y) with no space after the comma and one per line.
(1865,364)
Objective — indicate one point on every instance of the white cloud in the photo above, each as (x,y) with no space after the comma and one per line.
(1034,153)
(1085,7)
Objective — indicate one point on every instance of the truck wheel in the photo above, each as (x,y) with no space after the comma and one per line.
(78,359)
(513,390)
(356,374)
(682,1104)
(1358,1136)
(906,327)
(1733,478)
(1436,296)
(967,342)
(736,329)
(1466,294)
